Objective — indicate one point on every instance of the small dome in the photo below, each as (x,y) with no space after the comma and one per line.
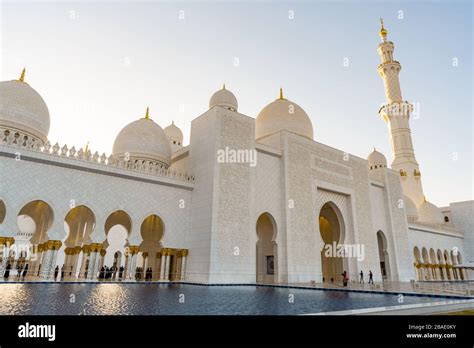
(143,139)
(23,109)
(376,160)
(283,114)
(410,207)
(174,133)
(428,212)
(175,137)
(224,98)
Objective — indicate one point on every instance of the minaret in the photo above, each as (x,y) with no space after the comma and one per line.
(396,113)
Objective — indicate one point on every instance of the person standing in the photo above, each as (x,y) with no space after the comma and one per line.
(345,278)
(361,281)
(25,271)
(371,278)
(56,271)
(7,271)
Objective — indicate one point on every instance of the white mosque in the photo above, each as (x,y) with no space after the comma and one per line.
(248,200)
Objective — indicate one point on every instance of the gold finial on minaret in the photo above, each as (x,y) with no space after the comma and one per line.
(281,93)
(22,77)
(147,116)
(383,31)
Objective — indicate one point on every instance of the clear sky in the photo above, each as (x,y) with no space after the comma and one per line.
(98,65)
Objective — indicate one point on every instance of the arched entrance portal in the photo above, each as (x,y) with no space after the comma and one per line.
(117,229)
(152,230)
(266,249)
(79,225)
(331,230)
(34,220)
(383,255)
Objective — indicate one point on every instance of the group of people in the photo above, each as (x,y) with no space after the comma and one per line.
(111,273)
(371,277)
(345,278)
(139,273)
(21,271)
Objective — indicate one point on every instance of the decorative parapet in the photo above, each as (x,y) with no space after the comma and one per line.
(16,139)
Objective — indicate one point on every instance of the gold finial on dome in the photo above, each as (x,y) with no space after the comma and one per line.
(22,77)
(223,86)
(383,31)
(147,116)
(281,93)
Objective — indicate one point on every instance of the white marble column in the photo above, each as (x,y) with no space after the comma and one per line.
(157,272)
(133,266)
(126,271)
(54,257)
(82,269)
(165,261)
(162,265)
(5,243)
(451,273)
(46,264)
(183,264)
(167,267)
(3,265)
(92,262)
(75,264)
(183,267)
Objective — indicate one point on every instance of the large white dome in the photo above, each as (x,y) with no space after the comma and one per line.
(428,212)
(143,139)
(283,114)
(23,109)
(224,98)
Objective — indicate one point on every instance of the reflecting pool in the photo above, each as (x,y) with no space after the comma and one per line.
(183,299)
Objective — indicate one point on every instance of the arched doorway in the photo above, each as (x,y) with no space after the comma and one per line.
(152,231)
(462,271)
(440,262)
(454,262)
(449,271)
(266,249)
(433,266)
(79,224)
(3,211)
(33,221)
(426,262)
(117,229)
(331,229)
(383,255)
(418,264)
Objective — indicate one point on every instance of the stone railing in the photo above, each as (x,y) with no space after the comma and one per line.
(442,226)
(16,139)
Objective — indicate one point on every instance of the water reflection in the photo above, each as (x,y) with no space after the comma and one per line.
(108,299)
(15,298)
(155,299)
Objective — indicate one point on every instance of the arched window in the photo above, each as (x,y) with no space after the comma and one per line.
(446,219)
